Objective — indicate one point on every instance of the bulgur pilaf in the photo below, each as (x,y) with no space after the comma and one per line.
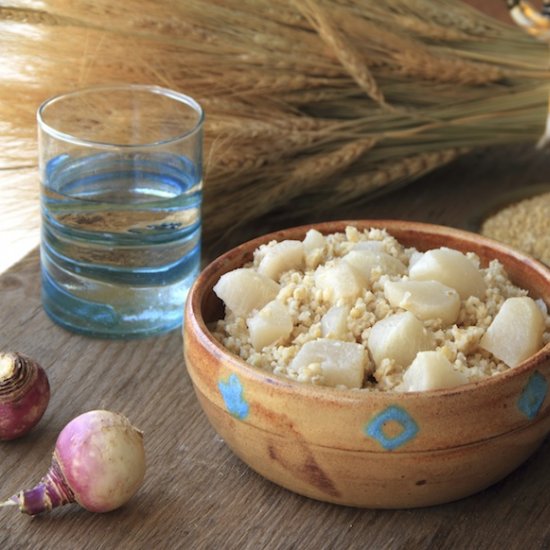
(307,302)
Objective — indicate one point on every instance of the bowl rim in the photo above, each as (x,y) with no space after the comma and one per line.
(194,314)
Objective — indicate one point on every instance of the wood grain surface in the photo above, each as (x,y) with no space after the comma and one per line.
(197,494)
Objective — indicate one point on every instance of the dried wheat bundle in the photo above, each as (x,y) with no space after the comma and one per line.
(310,103)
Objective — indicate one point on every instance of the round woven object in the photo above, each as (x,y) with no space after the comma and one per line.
(524,225)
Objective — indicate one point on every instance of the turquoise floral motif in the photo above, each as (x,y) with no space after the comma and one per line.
(232,393)
(375,428)
(532,397)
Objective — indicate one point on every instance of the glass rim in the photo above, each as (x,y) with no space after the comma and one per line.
(151,88)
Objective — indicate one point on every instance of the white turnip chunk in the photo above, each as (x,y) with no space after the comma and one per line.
(341,363)
(243,290)
(399,337)
(282,257)
(269,324)
(426,299)
(431,370)
(516,331)
(339,282)
(452,268)
(334,323)
(314,239)
(364,261)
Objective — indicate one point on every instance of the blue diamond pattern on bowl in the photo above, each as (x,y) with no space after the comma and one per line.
(532,397)
(232,394)
(375,428)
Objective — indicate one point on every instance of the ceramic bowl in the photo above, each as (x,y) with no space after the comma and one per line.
(371,449)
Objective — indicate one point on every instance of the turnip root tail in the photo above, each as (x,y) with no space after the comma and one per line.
(52,491)
(8,503)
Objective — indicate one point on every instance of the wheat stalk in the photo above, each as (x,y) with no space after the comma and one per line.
(309,102)
(350,58)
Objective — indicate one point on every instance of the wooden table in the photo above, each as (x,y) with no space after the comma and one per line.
(197,494)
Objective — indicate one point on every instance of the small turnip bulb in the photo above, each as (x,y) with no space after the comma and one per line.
(24,394)
(98,462)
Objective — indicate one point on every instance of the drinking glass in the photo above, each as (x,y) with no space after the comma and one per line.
(121,191)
